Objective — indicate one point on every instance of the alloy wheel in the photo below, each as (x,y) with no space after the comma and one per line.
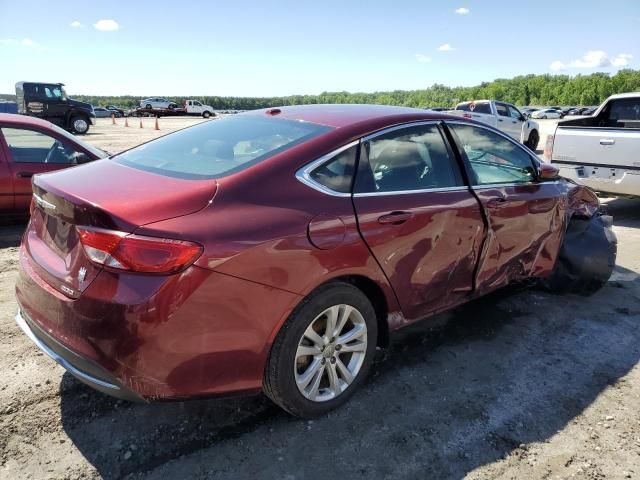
(330,353)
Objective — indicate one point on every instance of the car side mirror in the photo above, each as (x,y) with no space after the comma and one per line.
(546,171)
(522,118)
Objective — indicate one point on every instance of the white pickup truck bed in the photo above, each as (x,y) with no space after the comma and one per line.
(602,151)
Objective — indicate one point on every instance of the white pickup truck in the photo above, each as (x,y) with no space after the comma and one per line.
(502,116)
(601,151)
(194,107)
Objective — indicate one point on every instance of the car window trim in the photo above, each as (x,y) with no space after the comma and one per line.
(466,161)
(304,174)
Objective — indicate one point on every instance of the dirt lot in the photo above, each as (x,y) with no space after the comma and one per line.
(521,384)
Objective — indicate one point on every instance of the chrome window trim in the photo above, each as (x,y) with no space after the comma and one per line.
(304,173)
(416,123)
(460,188)
(511,184)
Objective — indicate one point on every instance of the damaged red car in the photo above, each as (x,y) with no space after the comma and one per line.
(275,250)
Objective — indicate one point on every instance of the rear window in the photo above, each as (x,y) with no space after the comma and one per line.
(220,147)
(476,107)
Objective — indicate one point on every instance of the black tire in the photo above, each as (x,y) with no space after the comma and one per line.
(586,259)
(533,140)
(206,114)
(148,105)
(279,379)
(80,124)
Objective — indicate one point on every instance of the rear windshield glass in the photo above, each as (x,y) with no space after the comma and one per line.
(479,107)
(220,147)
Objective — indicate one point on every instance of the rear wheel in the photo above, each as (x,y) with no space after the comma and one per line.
(80,125)
(323,351)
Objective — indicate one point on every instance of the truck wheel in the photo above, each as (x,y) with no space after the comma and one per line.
(148,105)
(206,114)
(533,140)
(80,125)
(586,259)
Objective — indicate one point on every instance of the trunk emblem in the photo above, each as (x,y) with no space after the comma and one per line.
(82,273)
(43,203)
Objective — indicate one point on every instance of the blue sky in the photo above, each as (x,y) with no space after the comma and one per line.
(260,48)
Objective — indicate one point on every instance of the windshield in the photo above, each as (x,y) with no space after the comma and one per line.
(221,147)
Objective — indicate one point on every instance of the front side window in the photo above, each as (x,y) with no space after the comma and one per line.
(514,112)
(413,158)
(502,109)
(493,158)
(28,146)
(220,148)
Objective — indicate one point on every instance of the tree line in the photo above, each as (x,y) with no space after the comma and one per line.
(521,90)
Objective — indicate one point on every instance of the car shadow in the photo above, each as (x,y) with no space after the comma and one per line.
(451,394)
(625,211)
(11,230)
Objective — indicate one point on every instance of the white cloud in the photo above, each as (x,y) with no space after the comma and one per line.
(593,59)
(621,60)
(106,25)
(446,48)
(76,24)
(462,11)
(422,58)
(25,42)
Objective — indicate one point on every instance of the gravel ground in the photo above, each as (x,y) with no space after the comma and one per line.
(521,384)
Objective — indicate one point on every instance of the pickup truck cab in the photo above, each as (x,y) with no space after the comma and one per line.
(503,116)
(194,107)
(29,146)
(601,151)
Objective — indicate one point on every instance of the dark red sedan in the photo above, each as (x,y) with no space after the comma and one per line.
(29,145)
(274,250)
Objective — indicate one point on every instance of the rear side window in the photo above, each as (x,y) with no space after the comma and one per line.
(624,113)
(220,147)
(413,158)
(337,173)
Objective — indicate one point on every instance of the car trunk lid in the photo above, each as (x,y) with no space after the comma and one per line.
(102,195)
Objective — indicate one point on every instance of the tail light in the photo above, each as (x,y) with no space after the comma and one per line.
(137,253)
(548,147)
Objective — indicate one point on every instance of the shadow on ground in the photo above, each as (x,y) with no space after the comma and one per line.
(453,393)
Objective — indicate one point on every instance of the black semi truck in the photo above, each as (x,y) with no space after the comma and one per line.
(49,101)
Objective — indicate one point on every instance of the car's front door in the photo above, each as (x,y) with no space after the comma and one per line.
(31,152)
(6,182)
(505,123)
(420,221)
(526,216)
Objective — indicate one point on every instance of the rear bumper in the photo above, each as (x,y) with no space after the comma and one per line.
(617,181)
(82,368)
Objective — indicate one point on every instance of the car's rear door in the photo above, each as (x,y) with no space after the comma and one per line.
(31,152)
(526,216)
(422,224)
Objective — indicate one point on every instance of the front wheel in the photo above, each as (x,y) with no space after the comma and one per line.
(323,351)
(533,140)
(80,125)
(206,114)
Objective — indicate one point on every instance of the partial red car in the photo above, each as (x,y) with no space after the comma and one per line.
(276,249)
(28,146)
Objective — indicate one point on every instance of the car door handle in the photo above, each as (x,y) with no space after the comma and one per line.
(500,120)
(607,141)
(495,202)
(395,218)
(24,174)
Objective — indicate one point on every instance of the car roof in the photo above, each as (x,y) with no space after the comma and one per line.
(343,115)
(625,95)
(26,120)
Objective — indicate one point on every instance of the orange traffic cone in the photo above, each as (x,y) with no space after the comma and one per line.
(157,127)
(141,124)
(126,122)
(113,119)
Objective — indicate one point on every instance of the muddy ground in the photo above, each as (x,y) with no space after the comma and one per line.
(521,384)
